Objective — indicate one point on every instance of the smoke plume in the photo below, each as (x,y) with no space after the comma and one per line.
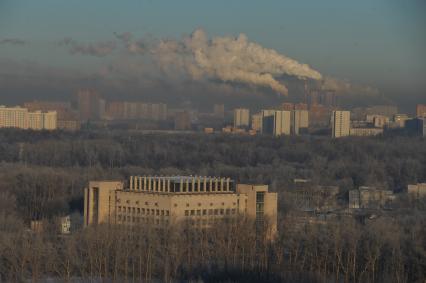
(12,41)
(230,59)
(98,49)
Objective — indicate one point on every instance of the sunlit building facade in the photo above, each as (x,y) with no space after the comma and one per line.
(340,123)
(241,117)
(18,117)
(202,201)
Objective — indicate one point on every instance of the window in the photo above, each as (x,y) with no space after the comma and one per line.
(222,211)
(139,210)
(204,211)
(234,211)
(157,212)
(133,210)
(119,209)
(192,212)
(152,211)
(186,212)
(143,210)
(167,213)
(210,211)
(198,212)
(216,212)
(162,212)
(227,211)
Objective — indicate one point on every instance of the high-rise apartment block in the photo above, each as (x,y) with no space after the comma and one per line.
(416,126)
(341,123)
(241,117)
(276,122)
(299,121)
(256,122)
(202,201)
(326,98)
(421,110)
(67,118)
(18,117)
(89,105)
(136,110)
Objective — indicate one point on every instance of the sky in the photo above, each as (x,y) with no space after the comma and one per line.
(378,43)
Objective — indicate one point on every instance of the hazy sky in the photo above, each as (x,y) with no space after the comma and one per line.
(372,42)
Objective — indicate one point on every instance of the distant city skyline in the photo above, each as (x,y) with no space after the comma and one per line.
(376,44)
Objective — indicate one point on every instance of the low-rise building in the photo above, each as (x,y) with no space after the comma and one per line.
(308,197)
(417,191)
(370,198)
(170,200)
(363,132)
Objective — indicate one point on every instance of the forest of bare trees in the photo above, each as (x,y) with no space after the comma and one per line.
(42,176)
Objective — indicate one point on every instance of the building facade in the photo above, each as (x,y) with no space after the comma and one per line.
(18,117)
(417,191)
(299,121)
(170,200)
(340,123)
(364,132)
(89,105)
(276,122)
(370,198)
(421,110)
(256,122)
(416,126)
(241,118)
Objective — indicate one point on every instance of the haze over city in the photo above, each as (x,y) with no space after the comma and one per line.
(213,141)
(148,49)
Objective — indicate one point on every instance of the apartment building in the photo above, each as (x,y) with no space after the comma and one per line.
(18,117)
(340,122)
(241,117)
(276,122)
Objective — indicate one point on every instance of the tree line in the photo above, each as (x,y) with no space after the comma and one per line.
(42,176)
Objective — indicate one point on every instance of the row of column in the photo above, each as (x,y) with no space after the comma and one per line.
(185,184)
(155,184)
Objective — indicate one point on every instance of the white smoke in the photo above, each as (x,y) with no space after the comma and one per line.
(229,59)
(344,87)
(98,49)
